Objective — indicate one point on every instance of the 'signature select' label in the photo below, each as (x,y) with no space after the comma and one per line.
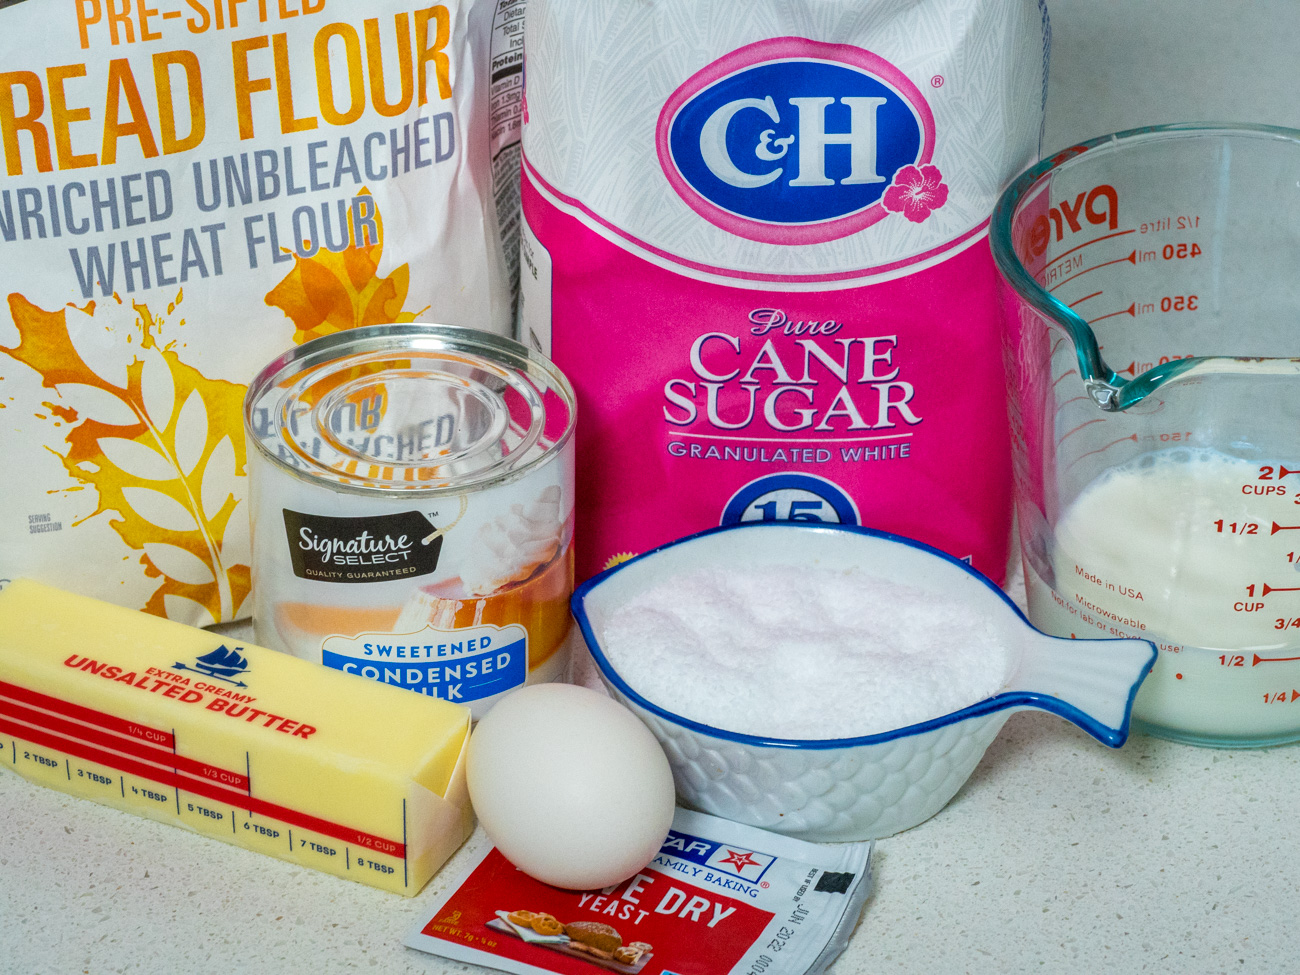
(377,548)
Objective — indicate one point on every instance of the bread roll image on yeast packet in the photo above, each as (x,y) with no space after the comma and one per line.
(187,190)
(719,898)
(238,743)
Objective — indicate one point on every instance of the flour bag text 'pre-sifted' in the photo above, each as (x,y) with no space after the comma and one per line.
(756,242)
(187,189)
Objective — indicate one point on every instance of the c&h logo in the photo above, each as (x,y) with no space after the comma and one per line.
(792,141)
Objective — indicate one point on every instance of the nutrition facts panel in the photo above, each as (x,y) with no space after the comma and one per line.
(505,121)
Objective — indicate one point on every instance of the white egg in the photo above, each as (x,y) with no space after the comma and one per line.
(571,787)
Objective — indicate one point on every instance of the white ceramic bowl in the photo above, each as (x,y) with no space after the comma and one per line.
(869,787)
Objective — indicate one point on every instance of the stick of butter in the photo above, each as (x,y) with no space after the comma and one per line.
(237,742)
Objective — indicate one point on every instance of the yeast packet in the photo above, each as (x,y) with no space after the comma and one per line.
(718,899)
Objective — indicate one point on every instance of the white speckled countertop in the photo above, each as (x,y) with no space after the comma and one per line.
(1058,856)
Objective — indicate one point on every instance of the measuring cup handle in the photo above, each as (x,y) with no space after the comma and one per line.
(1089,682)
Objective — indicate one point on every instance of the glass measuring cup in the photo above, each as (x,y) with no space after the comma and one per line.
(1153,329)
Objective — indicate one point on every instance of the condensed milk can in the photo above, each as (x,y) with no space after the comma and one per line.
(412,495)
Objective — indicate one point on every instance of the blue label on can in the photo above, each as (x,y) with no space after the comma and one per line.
(454,665)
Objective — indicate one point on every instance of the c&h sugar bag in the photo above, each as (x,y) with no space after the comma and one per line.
(756,241)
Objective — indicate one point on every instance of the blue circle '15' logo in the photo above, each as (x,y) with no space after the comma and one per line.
(797,141)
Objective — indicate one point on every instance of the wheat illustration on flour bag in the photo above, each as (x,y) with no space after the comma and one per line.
(185,195)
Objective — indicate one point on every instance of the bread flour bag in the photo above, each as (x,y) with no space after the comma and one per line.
(756,241)
(190,188)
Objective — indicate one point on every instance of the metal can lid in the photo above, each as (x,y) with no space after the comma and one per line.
(419,408)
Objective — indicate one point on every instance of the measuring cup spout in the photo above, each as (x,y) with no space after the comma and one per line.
(1116,397)
(1091,683)
(1103,394)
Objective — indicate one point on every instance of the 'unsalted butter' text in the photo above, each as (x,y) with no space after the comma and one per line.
(175,687)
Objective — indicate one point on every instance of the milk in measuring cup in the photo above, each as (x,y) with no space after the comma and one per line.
(1192,549)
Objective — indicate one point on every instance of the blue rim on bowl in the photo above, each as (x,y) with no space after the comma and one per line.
(1114,737)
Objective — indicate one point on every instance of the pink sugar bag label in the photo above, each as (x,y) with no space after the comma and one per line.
(758,246)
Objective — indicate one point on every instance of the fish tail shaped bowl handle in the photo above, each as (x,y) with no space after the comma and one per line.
(1091,683)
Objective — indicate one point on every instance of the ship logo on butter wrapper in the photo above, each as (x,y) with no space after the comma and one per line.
(793,141)
(221,664)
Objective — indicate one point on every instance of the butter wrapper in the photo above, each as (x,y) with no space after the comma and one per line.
(233,741)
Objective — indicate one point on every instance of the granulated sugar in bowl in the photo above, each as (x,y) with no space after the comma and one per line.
(834,683)
(844,667)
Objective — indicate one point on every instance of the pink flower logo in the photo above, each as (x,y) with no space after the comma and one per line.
(917,191)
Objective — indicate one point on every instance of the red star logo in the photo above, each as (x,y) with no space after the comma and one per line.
(740,859)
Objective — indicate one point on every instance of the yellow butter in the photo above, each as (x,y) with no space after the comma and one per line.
(237,742)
